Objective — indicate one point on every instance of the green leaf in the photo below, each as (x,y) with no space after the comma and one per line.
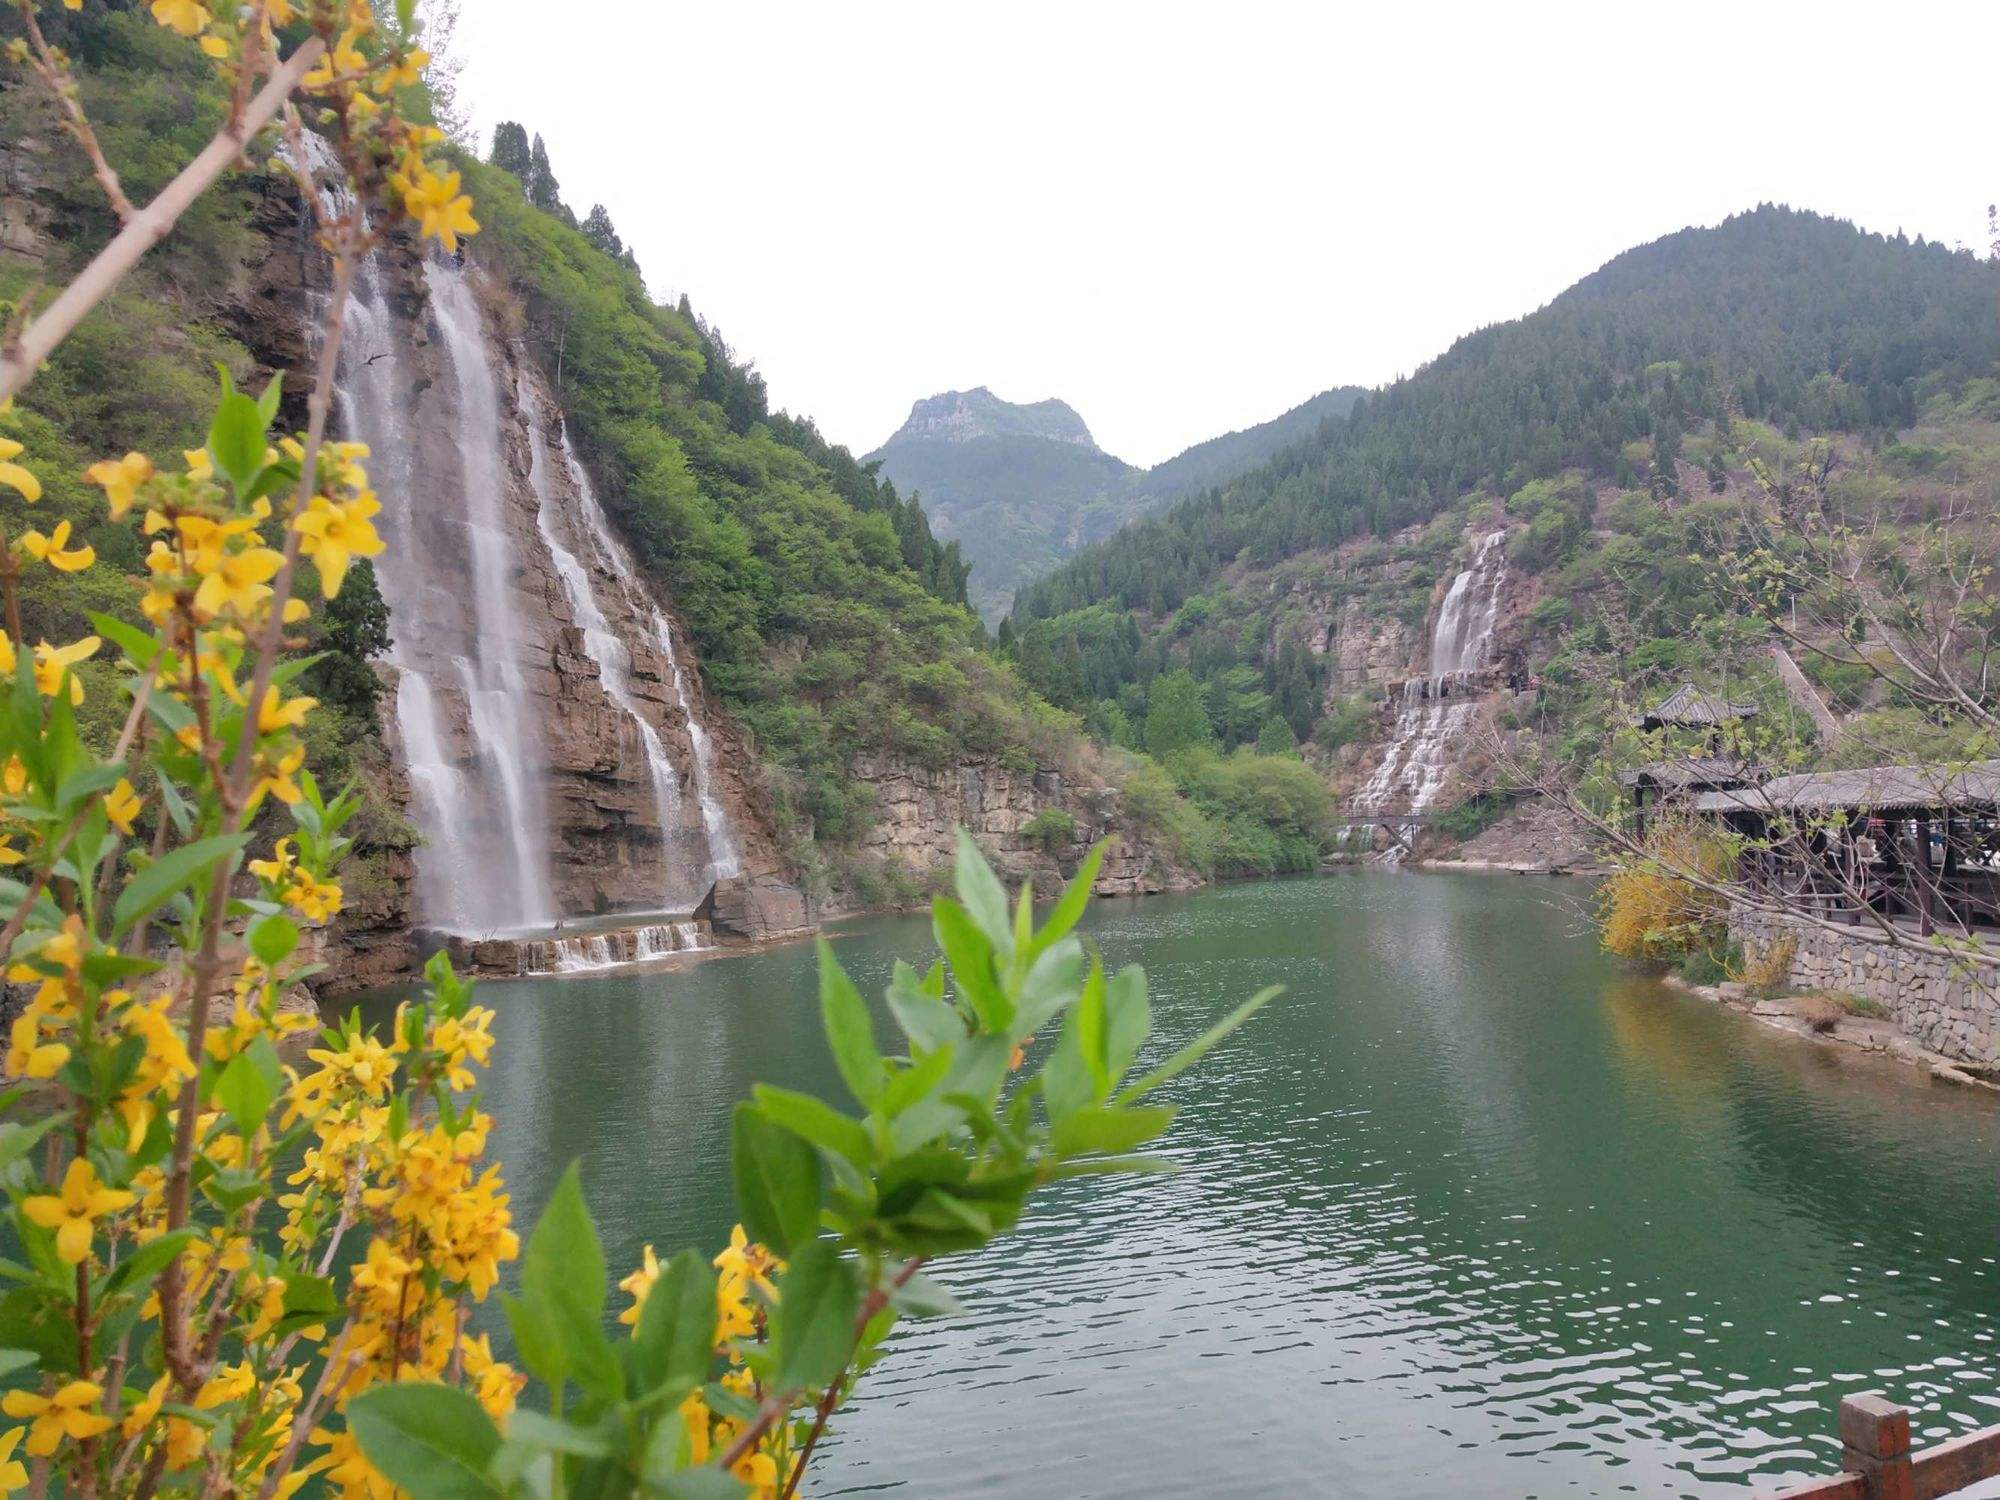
(563,1281)
(1069,907)
(849,1032)
(812,1327)
(12,1360)
(249,1083)
(1195,1050)
(777,1181)
(675,1339)
(971,956)
(694,1484)
(267,404)
(816,1121)
(1091,1032)
(139,647)
(146,1262)
(168,875)
(535,1340)
(984,897)
(926,1019)
(432,1440)
(553,1435)
(924,1297)
(236,440)
(908,1085)
(16,1140)
(273,938)
(1128,1017)
(1111,1131)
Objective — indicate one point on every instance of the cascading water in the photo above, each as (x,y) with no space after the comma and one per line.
(723,856)
(483,866)
(608,950)
(1438,708)
(613,660)
(466,718)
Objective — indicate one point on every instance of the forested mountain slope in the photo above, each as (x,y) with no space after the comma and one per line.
(1776,315)
(1621,438)
(1020,487)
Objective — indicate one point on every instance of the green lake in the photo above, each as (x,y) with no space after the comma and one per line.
(1470,1211)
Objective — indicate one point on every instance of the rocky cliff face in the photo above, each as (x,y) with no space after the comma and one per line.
(918,810)
(964,416)
(612,838)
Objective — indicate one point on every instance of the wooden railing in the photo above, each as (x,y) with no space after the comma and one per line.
(1878,1464)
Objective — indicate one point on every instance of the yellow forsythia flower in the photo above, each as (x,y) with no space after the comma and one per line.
(52,661)
(183,16)
(121,478)
(55,551)
(72,1213)
(66,1414)
(14,476)
(121,806)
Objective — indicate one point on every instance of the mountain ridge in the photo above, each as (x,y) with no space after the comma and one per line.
(1020,486)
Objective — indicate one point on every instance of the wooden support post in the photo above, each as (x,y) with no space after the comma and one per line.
(1875,1443)
(1925,923)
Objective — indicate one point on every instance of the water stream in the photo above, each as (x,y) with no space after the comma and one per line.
(1437,709)
(610,654)
(724,856)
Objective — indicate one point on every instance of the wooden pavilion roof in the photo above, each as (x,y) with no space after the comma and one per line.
(1688,707)
(1875,789)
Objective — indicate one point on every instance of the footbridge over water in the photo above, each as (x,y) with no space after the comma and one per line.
(1402,825)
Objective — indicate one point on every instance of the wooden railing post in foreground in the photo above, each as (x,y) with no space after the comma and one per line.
(1875,1443)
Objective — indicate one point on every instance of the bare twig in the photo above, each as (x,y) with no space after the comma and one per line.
(147,227)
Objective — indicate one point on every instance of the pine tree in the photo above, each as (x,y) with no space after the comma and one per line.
(597,228)
(510,149)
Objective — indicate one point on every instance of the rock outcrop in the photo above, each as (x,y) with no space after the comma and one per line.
(1033,824)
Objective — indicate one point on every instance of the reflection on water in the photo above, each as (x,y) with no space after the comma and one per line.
(1469,1212)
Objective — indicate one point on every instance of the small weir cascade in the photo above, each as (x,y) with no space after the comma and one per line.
(549,727)
(1436,709)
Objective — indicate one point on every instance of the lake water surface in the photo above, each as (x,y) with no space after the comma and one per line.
(1469,1212)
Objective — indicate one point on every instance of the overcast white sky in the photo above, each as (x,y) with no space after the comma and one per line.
(1184,219)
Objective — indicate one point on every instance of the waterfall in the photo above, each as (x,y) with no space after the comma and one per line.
(1437,709)
(467,700)
(613,660)
(723,855)
(483,864)
(609,950)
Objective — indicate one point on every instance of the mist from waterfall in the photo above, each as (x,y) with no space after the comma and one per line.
(1437,709)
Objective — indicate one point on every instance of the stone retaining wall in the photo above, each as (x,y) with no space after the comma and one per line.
(1935,1003)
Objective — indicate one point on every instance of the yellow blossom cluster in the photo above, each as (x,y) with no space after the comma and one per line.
(745,1292)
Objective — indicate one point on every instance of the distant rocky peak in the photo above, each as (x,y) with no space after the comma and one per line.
(963,416)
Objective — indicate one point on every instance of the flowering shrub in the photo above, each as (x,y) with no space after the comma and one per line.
(243,1264)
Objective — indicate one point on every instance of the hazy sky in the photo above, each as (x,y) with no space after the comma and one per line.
(1184,219)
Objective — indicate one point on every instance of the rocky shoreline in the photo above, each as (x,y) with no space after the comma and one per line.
(1817,1018)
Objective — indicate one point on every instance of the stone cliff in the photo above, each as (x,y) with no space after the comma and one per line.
(918,810)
